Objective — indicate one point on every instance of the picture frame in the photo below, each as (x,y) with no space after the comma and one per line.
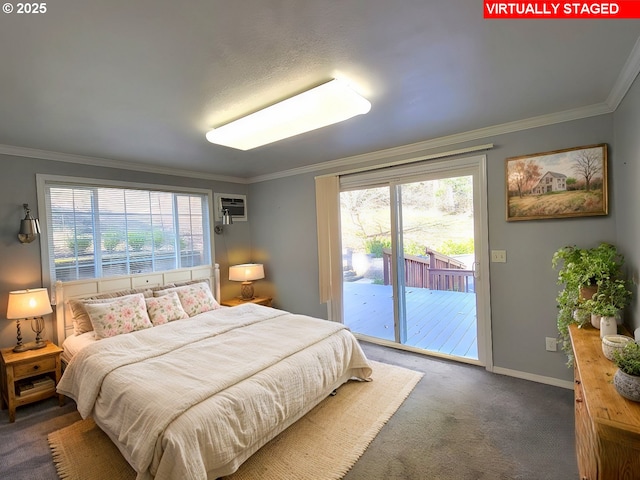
(560,184)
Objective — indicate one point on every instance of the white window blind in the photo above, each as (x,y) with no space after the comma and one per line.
(101,231)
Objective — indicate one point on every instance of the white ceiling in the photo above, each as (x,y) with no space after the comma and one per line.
(143,80)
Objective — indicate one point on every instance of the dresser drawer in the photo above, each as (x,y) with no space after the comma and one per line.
(29,369)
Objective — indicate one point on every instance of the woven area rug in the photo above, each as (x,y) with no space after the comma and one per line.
(324,444)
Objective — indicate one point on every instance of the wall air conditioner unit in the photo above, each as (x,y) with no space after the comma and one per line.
(236,205)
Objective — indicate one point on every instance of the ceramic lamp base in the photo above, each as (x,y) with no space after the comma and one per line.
(246,290)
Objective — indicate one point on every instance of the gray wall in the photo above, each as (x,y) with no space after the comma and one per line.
(281,233)
(523,290)
(284,239)
(626,191)
(20,263)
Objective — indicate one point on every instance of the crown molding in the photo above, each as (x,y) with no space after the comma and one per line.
(103,162)
(623,83)
(446,141)
(353,161)
(626,78)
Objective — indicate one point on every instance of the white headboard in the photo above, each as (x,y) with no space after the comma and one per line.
(95,286)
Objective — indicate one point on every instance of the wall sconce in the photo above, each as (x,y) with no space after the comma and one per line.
(227,219)
(29,227)
(25,304)
(246,273)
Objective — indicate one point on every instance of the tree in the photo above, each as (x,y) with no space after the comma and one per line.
(522,176)
(359,204)
(587,165)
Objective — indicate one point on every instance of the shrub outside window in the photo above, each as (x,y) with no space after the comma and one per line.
(103,231)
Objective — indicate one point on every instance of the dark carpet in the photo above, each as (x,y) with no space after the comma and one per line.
(459,423)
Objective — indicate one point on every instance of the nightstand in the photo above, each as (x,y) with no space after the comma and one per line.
(28,377)
(235,301)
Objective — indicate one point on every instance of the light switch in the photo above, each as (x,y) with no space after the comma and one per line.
(499,256)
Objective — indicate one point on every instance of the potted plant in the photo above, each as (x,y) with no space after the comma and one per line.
(587,268)
(627,377)
(584,273)
(603,317)
(612,297)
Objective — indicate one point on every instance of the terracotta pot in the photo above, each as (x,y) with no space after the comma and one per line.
(627,385)
(587,292)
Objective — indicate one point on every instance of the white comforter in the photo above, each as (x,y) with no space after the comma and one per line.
(195,398)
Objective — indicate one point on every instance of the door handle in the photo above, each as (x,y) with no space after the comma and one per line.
(474,267)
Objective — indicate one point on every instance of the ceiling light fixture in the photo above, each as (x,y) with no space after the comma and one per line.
(329,103)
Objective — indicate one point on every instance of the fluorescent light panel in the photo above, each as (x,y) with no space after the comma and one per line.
(329,103)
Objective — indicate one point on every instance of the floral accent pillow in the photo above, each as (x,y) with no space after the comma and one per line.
(196,298)
(81,320)
(165,309)
(120,316)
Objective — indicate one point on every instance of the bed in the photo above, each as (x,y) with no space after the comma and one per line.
(194,397)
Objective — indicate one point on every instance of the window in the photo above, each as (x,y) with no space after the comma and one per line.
(116,229)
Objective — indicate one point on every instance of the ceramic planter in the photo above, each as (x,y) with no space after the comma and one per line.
(611,343)
(627,385)
(608,326)
(595,320)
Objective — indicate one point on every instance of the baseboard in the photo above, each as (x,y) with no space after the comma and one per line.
(498,370)
(534,378)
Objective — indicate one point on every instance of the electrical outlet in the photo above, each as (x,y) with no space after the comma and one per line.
(499,256)
(552,344)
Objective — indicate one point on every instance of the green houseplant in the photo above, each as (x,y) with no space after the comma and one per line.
(588,267)
(599,268)
(611,298)
(627,377)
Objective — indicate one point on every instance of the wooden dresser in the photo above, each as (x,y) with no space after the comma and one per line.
(607,424)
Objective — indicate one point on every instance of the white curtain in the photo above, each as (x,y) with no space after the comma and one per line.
(329,244)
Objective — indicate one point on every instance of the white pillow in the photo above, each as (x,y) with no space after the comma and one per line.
(165,309)
(195,298)
(120,316)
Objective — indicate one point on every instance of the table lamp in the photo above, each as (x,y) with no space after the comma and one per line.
(29,304)
(246,273)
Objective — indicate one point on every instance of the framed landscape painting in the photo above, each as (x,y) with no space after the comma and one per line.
(558,184)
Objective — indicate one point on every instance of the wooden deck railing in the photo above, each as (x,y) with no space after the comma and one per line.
(440,260)
(418,272)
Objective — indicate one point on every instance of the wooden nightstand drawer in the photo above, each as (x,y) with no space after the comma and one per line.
(36,366)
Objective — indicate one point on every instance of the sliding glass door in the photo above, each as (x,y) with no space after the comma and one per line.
(368,299)
(411,245)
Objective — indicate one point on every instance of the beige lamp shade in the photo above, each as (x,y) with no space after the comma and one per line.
(246,273)
(28,303)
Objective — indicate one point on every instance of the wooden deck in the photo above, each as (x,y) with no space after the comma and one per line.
(437,321)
